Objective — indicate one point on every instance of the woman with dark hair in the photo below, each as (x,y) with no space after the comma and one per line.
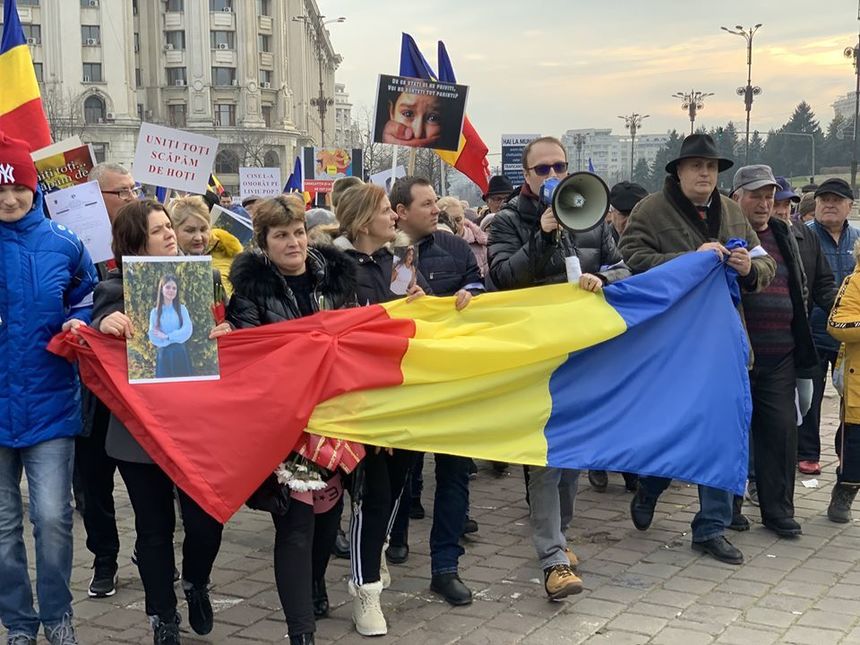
(170,327)
(283,279)
(145,228)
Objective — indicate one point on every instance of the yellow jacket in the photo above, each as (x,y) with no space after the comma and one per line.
(224,247)
(844,326)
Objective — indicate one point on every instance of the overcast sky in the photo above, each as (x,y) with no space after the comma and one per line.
(552,65)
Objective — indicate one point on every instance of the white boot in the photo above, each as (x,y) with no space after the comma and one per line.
(366,610)
(384,573)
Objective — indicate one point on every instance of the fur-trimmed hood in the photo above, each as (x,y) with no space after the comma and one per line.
(255,277)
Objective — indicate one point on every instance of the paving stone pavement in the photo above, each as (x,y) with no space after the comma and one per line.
(640,587)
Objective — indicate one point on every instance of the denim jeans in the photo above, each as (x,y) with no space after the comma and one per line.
(48,466)
(552,494)
(715,507)
(450,505)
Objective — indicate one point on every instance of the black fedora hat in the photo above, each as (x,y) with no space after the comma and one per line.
(700,146)
(499,185)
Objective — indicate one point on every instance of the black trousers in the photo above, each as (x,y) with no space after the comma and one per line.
(848,450)
(377,487)
(774,437)
(96,470)
(151,495)
(808,434)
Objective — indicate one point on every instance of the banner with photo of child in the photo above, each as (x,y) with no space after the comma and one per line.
(419,113)
(322,166)
(404,272)
(169,301)
(63,164)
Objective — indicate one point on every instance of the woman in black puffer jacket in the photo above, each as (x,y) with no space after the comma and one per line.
(281,280)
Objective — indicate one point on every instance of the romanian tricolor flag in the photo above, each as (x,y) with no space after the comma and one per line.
(215,185)
(471,155)
(649,377)
(21,113)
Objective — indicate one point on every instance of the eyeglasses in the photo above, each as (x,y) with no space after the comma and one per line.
(124,193)
(542,170)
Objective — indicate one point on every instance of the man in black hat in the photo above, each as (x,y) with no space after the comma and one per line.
(689,214)
(622,198)
(833,201)
(498,191)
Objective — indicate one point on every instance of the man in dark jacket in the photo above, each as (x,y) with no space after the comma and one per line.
(528,248)
(778,327)
(450,268)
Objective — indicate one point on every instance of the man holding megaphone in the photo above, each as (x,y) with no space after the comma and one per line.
(552,230)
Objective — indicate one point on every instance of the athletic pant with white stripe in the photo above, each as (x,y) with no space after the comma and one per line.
(373,509)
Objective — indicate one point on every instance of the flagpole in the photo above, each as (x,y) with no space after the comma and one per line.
(442,182)
(413,154)
(394,165)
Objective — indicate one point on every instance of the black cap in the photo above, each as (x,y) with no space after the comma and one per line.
(499,185)
(699,146)
(625,195)
(836,186)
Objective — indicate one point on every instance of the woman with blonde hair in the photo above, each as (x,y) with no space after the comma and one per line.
(474,235)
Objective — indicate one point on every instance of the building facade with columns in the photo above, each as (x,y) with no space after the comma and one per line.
(248,72)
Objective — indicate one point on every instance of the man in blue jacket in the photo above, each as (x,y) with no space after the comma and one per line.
(833,201)
(46,286)
(450,268)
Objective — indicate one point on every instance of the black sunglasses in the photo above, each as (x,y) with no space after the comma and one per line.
(542,170)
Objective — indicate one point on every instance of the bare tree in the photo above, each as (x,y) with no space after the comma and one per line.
(251,147)
(64,111)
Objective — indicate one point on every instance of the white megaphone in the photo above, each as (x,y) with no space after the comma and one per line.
(580,201)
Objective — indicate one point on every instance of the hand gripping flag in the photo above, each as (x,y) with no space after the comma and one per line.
(471,155)
(648,376)
(21,112)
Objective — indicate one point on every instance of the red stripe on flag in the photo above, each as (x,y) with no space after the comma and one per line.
(218,440)
(472,160)
(28,123)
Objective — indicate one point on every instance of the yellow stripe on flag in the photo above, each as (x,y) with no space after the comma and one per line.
(476,382)
(19,80)
(450,157)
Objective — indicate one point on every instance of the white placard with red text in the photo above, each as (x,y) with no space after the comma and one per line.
(260,182)
(174,158)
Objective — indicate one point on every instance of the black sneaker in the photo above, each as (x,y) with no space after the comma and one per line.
(199,608)
(165,632)
(103,582)
(470,526)
(416,510)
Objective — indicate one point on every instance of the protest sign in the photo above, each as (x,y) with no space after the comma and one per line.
(54,148)
(322,166)
(419,113)
(235,224)
(169,301)
(512,155)
(82,210)
(61,167)
(386,178)
(262,182)
(174,158)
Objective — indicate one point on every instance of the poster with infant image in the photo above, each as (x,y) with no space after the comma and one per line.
(419,113)
(169,301)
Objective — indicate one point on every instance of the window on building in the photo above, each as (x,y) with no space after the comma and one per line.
(226,162)
(176,76)
(91,35)
(175,39)
(40,75)
(225,114)
(100,152)
(222,39)
(134,7)
(265,78)
(271,160)
(89,4)
(220,5)
(136,42)
(176,5)
(33,33)
(140,111)
(176,115)
(264,43)
(92,72)
(267,111)
(28,3)
(94,110)
(137,77)
(223,76)
(264,7)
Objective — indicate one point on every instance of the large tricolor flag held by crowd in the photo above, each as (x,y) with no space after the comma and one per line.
(21,113)
(647,377)
(471,156)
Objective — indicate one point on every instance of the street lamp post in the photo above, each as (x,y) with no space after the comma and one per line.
(749,91)
(579,141)
(633,123)
(853,53)
(321,102)
(692,101)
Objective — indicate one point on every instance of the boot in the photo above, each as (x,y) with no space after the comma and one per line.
(366,610)
(739,520)
(319,595)
(840,503)
(165,632)
(302,639)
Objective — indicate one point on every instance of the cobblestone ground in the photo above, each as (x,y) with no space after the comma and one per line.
(640,587)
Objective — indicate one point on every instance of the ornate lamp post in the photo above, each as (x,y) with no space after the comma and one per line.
(749,91)
(692,101)
(633,123)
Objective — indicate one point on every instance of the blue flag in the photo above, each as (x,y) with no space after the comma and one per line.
(294,183)
(590,165)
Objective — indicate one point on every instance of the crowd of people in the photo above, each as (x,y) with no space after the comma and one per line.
(789,253)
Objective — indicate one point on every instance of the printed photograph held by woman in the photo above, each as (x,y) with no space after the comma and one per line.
(172,299)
